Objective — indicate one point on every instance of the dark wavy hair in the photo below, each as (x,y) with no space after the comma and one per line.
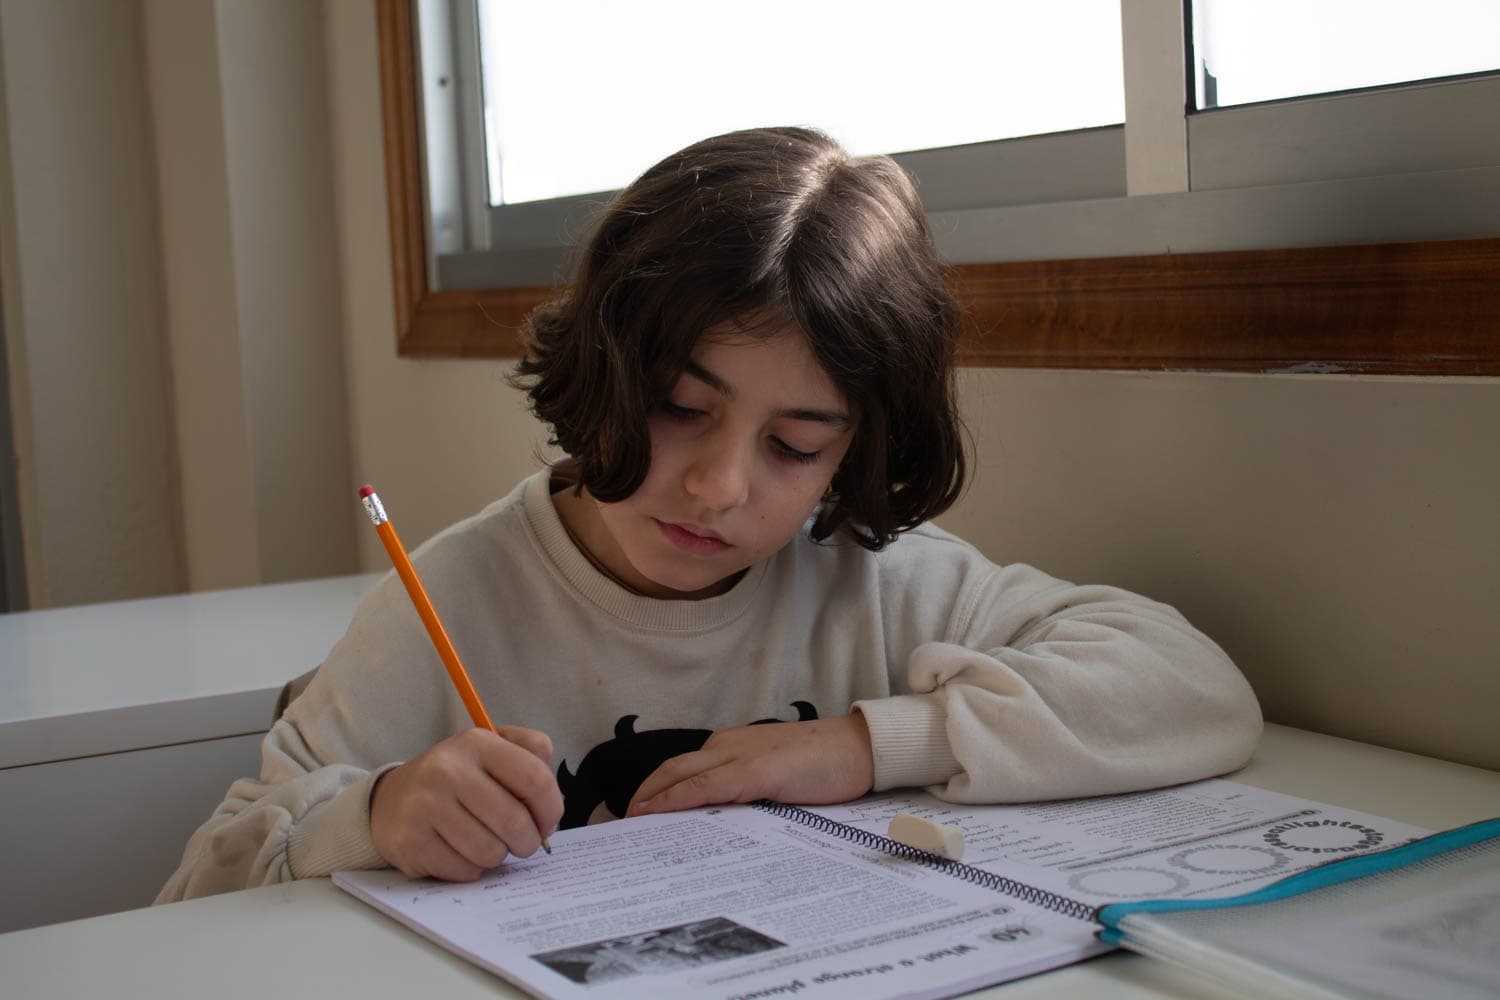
(776,223)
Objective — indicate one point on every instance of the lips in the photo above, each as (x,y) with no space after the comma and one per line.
(698,541)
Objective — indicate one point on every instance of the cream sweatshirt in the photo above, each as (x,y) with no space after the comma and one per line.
(983,683)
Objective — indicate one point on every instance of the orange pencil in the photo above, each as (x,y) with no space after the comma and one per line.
(427,613)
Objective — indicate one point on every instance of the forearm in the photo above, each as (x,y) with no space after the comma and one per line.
(1105,693)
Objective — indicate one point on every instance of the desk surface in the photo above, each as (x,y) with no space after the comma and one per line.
(309,939)
(105,678)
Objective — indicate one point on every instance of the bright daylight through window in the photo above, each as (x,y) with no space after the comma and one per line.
(1263,50)
(582,95)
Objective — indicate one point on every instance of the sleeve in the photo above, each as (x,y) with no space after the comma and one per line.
(300,819)
(378,699)
(1043,689)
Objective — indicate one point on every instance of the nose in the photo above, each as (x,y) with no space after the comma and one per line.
(719,473)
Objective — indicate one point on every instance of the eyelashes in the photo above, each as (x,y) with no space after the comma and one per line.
(788,452)
(684,414)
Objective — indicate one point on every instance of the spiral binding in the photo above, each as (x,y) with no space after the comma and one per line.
(977,876)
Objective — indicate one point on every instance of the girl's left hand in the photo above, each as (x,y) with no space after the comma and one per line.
(818,762)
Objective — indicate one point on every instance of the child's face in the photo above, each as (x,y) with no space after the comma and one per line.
(744,447)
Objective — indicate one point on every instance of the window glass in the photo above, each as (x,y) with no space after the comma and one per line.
(582,95)
(1263,50)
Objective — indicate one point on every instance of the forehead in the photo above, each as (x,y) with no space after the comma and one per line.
(769,358)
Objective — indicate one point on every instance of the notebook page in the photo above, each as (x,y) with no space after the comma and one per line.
(730,902)
(1195,841)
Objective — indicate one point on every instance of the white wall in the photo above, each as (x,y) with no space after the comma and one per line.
(272,64)
(96,463)
(1335,534)
(171,279)
(202,315)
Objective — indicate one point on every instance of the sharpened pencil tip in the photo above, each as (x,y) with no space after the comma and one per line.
(546,846)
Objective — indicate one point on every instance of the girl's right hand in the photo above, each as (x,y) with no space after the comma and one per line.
(464,805)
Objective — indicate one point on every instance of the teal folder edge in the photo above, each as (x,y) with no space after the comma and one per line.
(1332,873)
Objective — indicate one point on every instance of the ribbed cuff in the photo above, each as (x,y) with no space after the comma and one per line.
(909,736)
(335,835)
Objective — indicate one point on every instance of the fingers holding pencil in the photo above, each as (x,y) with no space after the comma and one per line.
(533,741)
(519,762)
(464,805)
(440,641)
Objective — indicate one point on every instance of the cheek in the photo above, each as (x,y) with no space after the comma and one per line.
(802,486)
(670,436)
(790,502)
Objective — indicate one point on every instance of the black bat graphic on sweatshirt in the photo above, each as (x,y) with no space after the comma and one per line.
(613,770)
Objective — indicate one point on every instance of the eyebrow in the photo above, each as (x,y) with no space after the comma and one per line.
(723,388)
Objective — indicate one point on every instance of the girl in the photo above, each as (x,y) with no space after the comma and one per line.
(752,378)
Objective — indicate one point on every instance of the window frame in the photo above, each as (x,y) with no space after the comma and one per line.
(1420,296)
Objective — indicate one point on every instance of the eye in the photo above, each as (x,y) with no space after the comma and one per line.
(676,412)
(788,452)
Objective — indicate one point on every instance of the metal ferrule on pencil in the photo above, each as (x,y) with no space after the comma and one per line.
(375,509)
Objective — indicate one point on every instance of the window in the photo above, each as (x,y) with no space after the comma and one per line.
(1264,50)
(522,137)
(640,80)
(1180,237)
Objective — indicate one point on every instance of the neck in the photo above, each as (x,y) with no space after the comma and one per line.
(570,504)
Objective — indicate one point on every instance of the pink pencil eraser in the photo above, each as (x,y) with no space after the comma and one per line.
(366,490)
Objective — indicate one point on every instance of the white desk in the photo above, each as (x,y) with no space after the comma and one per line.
(122,725)
(307,939)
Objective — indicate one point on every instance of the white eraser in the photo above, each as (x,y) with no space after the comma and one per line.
(927,835)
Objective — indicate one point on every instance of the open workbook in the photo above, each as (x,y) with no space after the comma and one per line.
(769,901)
